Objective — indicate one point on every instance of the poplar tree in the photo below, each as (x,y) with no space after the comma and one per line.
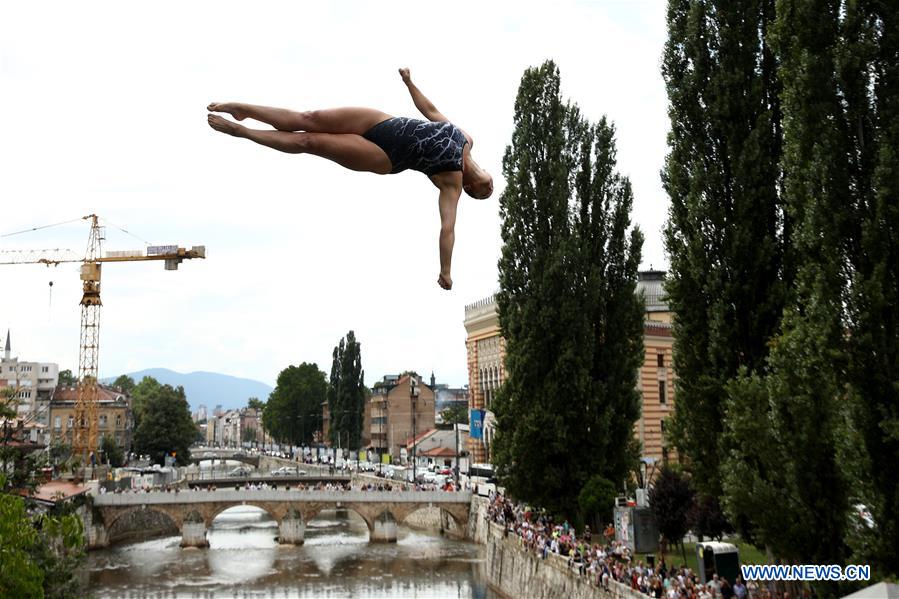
(726,231)
(813,426)
(346,393)
(567,303)
(868,68)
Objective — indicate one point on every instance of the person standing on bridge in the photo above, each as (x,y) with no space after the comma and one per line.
(365,139)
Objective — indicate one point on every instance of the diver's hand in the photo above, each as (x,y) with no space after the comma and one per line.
(404,73)
(445,281)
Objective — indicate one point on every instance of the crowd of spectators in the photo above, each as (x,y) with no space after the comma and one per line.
(273,485)
(605,561)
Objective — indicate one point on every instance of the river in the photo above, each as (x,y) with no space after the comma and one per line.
(245,560)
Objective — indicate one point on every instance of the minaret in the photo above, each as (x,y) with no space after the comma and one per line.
(433,380)
(8,347)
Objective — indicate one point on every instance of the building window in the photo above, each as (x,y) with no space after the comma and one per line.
(118,421)
(661,391)
(71,422)
(103,420)
(661,360)
(45,369)
(57,422)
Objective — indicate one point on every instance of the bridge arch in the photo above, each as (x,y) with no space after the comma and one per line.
(139,521)
(449,522)
(312,511)
(275,511)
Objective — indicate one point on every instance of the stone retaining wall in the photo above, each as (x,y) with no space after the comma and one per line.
(516,573)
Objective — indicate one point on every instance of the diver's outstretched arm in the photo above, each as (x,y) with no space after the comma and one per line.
(449,200)
(425,106)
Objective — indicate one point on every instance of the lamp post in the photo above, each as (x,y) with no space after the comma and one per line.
(381,440)
(413,396)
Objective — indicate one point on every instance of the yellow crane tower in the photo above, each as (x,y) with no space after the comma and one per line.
(86,418)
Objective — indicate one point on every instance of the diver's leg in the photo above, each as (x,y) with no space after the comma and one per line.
(348,150)
(330,120)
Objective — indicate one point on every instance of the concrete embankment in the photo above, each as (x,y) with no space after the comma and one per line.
(516,573)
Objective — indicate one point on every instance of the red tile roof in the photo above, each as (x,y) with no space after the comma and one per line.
(56,490)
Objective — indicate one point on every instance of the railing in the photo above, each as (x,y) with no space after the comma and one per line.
(487,302)
(258,495)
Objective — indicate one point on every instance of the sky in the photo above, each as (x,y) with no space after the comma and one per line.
(104,112)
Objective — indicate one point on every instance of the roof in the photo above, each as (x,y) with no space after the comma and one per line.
(57,490)
(439,452)
(651,283)
(420,437)
(719,547)
(104,394)
(881,590)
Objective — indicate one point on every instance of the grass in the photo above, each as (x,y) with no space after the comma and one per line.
(749,554)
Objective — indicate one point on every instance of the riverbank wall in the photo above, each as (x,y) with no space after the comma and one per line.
(516,573)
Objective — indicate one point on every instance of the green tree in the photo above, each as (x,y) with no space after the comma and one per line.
(868,68)
(256,404)
(455,414)
(112,451)
(125,383)
(248,435)
(707,519)
(597,500)
(346,393)
(166,425)
(66,378)
(140,396)
(670,499)
(19,575)
(40,550)
(727,231)
(803,392)
(293,412)
(568,306)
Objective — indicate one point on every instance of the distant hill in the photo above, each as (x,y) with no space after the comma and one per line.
(207,388)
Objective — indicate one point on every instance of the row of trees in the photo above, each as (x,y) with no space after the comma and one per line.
(568,307)
(293,412)
(784,278)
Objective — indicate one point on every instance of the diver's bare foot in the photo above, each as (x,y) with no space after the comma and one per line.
(224,125)
(232,108)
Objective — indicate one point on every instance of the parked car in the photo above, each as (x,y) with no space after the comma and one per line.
(241,471)
(288,471)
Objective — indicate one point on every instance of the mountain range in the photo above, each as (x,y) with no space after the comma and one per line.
(207,388)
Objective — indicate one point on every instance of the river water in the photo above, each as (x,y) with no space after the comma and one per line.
(245,560)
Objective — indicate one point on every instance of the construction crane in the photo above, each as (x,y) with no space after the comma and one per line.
(86,419)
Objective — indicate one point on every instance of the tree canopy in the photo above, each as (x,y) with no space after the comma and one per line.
(166,425)
(568,307)
(293,413)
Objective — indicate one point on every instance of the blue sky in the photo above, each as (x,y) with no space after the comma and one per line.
(104,112)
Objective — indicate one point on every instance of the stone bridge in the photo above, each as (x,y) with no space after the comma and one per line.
(193,511)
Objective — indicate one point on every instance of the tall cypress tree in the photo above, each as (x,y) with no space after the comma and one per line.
(870,72)
(726,231)
(801,399)
(567,303)
(346,393)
